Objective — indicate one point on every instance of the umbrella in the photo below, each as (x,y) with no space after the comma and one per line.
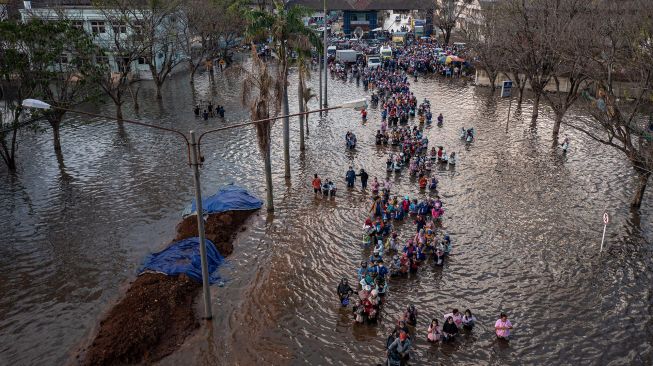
(377,29)
(457,59)
(443,59)
(448,60)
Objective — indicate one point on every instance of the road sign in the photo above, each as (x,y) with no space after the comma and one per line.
(506,88)
(606,218)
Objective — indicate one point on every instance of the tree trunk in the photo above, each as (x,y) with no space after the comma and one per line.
(536,107)
(134,97)
(493,81)
(520,98)
(306,117)
(447,36)
(119,111)
(11,161)
(56,139)
(269,201)
(286,130)
(300,96)
(191,70)
(638,196)
(8,154)
(556,126)
(158,89)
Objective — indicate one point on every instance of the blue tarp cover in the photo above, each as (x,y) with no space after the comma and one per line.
(184,257)
(228,198)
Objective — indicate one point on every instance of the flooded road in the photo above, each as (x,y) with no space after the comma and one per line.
(525,223)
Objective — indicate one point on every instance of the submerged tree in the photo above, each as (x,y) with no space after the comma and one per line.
(155,26)
(286,28)
(621,116)
(261,93)
(16,84)
(61,62)
(484,39)
(446,16)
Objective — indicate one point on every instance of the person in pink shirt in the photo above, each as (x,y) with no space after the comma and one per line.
(502,327)
(456,316)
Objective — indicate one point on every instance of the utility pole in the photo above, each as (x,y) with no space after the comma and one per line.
(200,227)
(326,102)
(319,67)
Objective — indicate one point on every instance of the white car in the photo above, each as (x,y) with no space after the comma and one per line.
(373,62)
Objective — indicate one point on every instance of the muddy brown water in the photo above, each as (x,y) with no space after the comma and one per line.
(524,219)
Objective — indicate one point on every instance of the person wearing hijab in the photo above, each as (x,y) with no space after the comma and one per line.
(344,290)
(449,330)
(411,315)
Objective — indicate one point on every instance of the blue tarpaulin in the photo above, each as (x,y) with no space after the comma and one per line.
(184,257)
(228,198)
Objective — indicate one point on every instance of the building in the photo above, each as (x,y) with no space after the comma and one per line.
(82,14)
(4,10)
(471,17)
(364,13)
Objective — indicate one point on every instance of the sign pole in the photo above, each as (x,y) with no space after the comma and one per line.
(506,91)
(606,220)
(509,107)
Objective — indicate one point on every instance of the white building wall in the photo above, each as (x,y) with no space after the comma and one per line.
(93,21)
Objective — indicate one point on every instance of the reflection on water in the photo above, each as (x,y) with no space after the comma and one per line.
(525,221)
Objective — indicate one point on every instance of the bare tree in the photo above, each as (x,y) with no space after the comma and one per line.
(485,42)
(447,13)
(123,45)
(527,44)
(156,26)
(619,109)
(196,31)
(572,43)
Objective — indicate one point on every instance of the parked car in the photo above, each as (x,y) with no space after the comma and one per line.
(373,62)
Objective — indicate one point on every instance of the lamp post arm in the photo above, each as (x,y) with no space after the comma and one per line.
(199,140)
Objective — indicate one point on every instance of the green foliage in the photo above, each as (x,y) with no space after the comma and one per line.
(49,58)
(285,27)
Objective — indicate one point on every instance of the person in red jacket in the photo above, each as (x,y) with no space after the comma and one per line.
(317,184)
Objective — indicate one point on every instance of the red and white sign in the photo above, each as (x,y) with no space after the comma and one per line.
(606,218)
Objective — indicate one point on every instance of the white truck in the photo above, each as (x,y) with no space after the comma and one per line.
(346,56)
(386,52)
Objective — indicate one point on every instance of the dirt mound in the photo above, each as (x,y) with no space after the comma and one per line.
(149,323)
(157,313)
(219,228)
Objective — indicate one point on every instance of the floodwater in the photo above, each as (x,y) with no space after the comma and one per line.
(524,219)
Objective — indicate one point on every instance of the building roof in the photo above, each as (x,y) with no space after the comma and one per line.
(57,3)
(362,5)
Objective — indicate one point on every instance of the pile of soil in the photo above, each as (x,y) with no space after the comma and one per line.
(220,228)
(157,312)
(150,322)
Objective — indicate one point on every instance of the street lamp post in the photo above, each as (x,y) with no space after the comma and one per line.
(195,161)
(191,148)
(326,57)
(200,226)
